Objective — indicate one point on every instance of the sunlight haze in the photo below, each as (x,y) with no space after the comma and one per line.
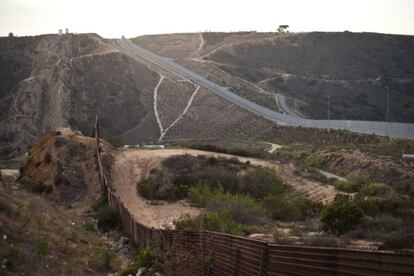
(133,18)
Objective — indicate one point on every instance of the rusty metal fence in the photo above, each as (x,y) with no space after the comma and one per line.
(212,253)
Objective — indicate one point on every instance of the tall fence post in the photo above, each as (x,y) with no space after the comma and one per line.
(210,260)
(236,261)
(263,261)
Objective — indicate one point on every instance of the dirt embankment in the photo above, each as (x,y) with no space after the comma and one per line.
(62,165)
(132,166)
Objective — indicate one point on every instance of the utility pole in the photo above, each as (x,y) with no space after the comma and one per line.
(388,110)
(329,107)
(329,112)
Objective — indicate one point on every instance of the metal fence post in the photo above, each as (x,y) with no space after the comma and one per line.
(263,261)
(236,261)
(210,265)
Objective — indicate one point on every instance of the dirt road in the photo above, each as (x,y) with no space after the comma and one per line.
(133,165)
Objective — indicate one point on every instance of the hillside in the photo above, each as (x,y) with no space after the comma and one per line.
(52,222)
(305,67)
(53,81)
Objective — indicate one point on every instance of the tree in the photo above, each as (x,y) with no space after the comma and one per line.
(341,216)
(283,29)
(11,34)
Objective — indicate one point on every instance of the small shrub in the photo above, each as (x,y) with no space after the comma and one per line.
(90,227)
(259,182)
(7,208)
(345,186)
(41,248)
(291,208)
(219,221)
(376,228)
(107,218)
(357,180)
(341,216)
(148,188)
(242,208)
(149,257)
(376,189)
(315,161)
(108,258)
(12,258)
(399,240)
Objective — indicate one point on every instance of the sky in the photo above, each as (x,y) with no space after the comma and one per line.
(112,19)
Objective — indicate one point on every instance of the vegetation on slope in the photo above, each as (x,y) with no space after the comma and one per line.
(237,197)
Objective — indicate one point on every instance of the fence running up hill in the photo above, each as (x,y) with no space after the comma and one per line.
(211,253)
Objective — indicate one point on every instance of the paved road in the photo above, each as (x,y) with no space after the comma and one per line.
(395,130)
(281,104)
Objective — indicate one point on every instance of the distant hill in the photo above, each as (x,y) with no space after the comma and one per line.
(53,81)
(305,67)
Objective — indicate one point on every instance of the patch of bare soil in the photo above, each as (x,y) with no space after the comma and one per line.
(132,166)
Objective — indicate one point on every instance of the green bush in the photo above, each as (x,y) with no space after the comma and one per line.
(184,172)
(148,188)
(315,161)
(376,228)
(107,218)
(260,182)
(108,258)
(392,203)
(219,221)
(149,257)
(399,240)
(242,208)
(291,208)
(341,216)
(357,180)
(376,189)
(12,258)
(40,248)
(344,186)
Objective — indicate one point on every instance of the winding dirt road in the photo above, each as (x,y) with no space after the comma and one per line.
(133,165)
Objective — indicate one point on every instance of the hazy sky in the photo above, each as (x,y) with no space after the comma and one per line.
(133,18)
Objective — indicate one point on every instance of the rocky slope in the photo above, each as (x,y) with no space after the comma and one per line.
(55,81)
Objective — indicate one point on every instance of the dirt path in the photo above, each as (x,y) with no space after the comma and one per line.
(131,166)
(202,42)
(273,147)
(162,77)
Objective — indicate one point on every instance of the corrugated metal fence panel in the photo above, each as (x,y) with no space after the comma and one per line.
(334,261)
(233,255)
